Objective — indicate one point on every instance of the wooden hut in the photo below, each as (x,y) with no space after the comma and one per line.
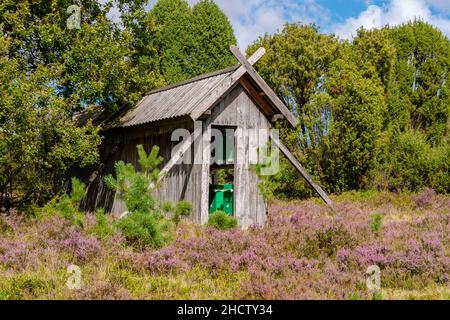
(235,100)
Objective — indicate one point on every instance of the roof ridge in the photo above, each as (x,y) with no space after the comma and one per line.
(194,79)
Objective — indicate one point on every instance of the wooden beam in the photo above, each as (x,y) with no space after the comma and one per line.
(277,117)
(206,114)
(255,95)
(264,86)
(181,151)
(224,86)
(301,170)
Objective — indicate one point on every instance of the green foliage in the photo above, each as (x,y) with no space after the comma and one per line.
(191,41)
(410,163)
(182,209)
(327,242)
(167,206)
(24,286)
(49,73)
(173,38)
(377,295)
(145,229)
(78,192)
(104,227)
(356,101)
(220,220)
(38,139)
(423,94)
(136,188)
(350,148)
(68,204)
(146,224)
(212,37)
(376,223)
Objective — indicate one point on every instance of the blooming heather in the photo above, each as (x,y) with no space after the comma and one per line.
(305,251)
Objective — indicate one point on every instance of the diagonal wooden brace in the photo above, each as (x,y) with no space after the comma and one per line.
(301,170)
(264,86)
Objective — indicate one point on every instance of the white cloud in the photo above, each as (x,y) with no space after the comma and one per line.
(253,18)
(440,5)
(394,13)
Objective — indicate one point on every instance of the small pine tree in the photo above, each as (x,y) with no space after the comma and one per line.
(146,225)
(136,188)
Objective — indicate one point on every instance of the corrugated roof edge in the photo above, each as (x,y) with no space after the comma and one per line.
(197,78)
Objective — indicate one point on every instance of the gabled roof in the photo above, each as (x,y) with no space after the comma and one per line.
(173,101)
(194,97)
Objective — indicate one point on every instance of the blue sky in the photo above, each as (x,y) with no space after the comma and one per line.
(253,18)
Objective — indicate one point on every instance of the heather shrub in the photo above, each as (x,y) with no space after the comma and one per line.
(327,241)
(81,247)
(303,252)
(220,220)
(23,287)
(424,198)
(103,290)
(4,227)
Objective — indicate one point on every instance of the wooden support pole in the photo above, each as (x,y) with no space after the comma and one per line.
(300,169)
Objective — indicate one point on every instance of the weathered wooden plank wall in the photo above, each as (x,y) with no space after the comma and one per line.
(181,183)
(237,109)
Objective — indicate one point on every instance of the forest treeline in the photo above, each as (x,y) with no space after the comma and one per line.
(374,111)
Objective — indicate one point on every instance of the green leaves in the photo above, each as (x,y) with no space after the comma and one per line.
(212,37)
(354,99)
(421,74)
(39,140)
(49,73)
(191,41)
(221,221)
(150,163)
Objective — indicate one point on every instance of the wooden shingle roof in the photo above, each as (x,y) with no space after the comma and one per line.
(173,101)
(194,97)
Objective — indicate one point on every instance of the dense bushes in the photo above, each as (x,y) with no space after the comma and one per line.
(145,229)
(410,163)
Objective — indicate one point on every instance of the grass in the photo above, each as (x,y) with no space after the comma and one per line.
(433,292)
